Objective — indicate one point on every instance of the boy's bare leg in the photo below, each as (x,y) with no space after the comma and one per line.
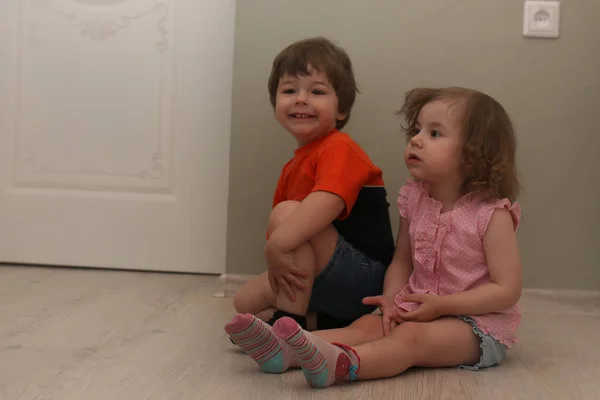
(265,315)
(304,257)
(311,321)
(255,296)
(312,256)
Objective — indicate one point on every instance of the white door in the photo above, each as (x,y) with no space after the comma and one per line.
(115,129)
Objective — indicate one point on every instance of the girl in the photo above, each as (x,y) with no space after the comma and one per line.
(450,294)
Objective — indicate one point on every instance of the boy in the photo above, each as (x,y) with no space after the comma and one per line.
(329,238)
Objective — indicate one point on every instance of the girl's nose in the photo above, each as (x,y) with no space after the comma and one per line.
(416,140)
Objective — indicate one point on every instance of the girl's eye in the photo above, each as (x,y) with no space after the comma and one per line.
(416,131)
(318,92)
(435,134)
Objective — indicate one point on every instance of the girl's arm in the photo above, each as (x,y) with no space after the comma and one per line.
(396,277)
(399,270)
(504,264)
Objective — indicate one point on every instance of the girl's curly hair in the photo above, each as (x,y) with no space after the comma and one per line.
(488,136)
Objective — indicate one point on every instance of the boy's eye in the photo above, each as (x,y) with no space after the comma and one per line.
(318,92)
(288,91)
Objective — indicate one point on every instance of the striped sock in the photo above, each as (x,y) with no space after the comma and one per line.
(322,363)
(257,339)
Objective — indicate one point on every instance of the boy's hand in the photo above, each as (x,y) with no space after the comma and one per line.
(311,216)
(283,272)
(392,315)
(431,307)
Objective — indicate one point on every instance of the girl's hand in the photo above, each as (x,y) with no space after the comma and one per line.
(431,307)
(392,315)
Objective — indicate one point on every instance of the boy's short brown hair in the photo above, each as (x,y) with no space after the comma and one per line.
(324,56)
(488,137)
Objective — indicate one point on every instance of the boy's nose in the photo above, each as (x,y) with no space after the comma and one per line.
(301,98)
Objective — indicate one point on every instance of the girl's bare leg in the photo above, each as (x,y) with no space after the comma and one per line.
(445,342)
(273,355)
(442,343)
(364,330)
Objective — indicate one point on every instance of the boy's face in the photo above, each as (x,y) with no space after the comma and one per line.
(307,106)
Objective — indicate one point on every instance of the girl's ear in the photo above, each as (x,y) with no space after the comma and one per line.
(467,169)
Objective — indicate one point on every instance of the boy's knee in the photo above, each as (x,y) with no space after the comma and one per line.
(280,212)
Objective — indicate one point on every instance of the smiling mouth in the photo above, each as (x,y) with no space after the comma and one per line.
(301,116)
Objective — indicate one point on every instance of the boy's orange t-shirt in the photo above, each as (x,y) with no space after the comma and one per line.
(334,163)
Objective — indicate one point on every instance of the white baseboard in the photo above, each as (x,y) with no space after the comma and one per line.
(229,284)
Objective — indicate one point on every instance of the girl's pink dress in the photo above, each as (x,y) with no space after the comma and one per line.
(447,251)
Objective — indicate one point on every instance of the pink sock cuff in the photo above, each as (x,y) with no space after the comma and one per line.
(354,368)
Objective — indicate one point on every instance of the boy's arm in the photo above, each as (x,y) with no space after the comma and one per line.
(339,178)
(317,211)
(399,270)
(311,216)
(340,175)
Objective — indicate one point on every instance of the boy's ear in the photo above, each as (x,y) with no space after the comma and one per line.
(341,116)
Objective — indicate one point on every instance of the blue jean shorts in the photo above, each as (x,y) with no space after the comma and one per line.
(349,277)
(492,351)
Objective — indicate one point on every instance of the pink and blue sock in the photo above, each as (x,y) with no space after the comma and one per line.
(257,339)
(322,363)
(300,319)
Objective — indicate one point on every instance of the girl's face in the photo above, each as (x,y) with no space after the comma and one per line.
(433,154)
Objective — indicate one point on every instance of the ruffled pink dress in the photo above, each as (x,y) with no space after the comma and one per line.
(447,251)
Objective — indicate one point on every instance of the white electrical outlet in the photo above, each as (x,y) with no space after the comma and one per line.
(541,19)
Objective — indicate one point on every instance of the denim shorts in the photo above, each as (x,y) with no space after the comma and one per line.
(349,277)
(492,351)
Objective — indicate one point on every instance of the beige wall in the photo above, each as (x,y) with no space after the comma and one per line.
(551,88)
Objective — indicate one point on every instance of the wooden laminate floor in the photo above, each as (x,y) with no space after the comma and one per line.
(72,334)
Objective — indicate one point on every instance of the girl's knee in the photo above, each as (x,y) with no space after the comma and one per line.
(367,321)
(410,332)
(370,326)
